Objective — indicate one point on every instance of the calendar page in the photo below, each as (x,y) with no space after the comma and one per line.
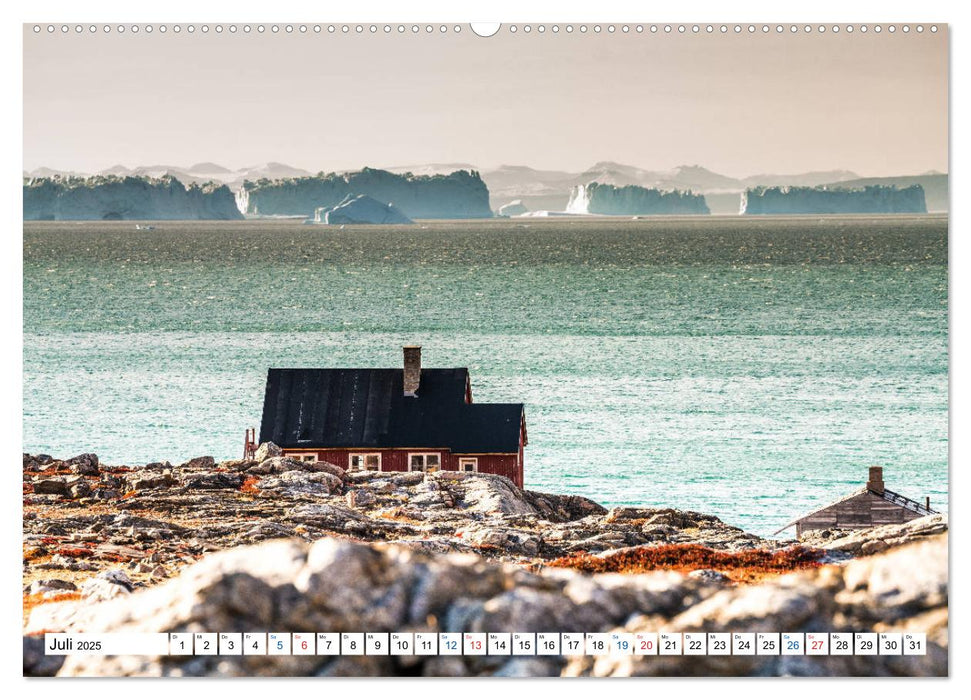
(519,349)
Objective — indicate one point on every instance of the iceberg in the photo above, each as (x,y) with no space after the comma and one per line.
(459,195)
(513,208)
(114,198)
(632,200)
(872,199)
(360,209)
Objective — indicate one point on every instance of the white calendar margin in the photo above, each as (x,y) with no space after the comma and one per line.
(15,14)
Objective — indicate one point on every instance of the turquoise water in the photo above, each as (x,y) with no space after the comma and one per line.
(750,369)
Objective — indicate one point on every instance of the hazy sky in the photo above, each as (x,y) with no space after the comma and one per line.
(737,104)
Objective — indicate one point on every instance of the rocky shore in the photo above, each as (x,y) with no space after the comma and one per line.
(185,548)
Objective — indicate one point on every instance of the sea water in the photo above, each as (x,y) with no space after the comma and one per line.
(752,368)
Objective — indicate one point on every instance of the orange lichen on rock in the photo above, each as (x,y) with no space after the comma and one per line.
(249,485)
(744,566)
(35,554)
(32,600)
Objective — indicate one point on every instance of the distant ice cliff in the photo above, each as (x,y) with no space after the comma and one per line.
(631,200)
(874,199)
(119,198)
(459,195)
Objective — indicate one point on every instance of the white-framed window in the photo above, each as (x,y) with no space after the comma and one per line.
(303,456)
(364,461)
(468,464)
(424,461)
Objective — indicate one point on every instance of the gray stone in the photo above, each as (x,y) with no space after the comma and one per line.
(52,584)
(36,661)
(55,485)
(143,482)
(206,462)
(277,465)
(709,575)
(107,585)
(267,450)
(297,483)
(878,539)
(80,489)
(358,498)
(408,479)
(215,480)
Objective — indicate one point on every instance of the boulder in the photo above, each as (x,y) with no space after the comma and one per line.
(297,483)
(488,493)
(325,515)
(88,459)
(107,585)
(206,462)
(79,489)
(321,466)
(709,575)
(215,480)
(267,450)
(877,539)
(85,467)
(357,498)
(408,478)
(560,508)
(142,481)
(277,465)
(54,485)
(37,662)
(52,585)
(236,465)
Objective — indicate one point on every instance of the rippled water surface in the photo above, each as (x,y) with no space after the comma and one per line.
(748,368)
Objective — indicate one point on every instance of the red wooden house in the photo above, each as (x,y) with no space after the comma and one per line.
(393,420)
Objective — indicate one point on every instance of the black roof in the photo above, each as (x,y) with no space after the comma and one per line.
(367,408)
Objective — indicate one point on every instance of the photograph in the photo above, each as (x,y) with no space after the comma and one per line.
(536,349)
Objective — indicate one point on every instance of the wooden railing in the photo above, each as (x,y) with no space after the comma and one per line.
(249,443)
(907,503)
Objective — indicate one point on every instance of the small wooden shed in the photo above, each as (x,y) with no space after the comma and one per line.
(870,506)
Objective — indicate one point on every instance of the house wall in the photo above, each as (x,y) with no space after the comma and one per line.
(860,511)
(396,460)
(507,465)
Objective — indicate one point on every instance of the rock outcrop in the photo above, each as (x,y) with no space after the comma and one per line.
(335,585)
(876,539)
(873,199)
(631,200)
(459,195)
(112,198)
(360,209)
(117,548)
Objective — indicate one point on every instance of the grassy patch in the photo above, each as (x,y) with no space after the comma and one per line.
(745,566)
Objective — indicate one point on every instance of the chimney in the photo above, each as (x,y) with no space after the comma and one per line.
(875,482)
(412,369)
